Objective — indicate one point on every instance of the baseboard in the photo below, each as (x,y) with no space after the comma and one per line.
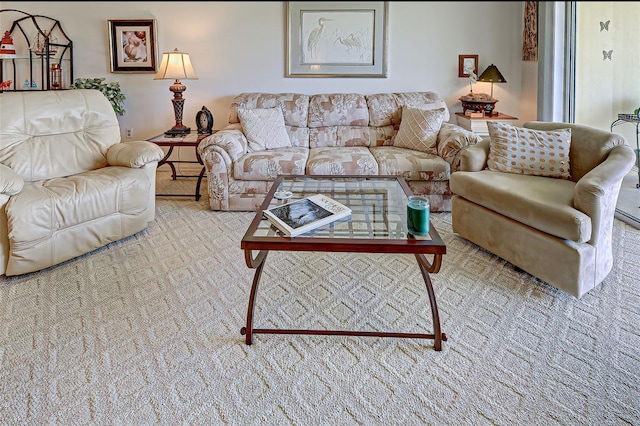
(627,218)
(182,168)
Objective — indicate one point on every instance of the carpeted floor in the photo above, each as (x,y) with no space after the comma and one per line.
(146,331)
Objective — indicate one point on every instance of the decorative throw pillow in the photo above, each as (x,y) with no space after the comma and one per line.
(264,128)
(419,129)
(529,152)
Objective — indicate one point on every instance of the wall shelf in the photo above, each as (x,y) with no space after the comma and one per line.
(40,42)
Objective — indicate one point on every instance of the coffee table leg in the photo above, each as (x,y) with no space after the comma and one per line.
(425,268)
(258,263)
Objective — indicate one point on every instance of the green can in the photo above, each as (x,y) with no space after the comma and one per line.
(418,210)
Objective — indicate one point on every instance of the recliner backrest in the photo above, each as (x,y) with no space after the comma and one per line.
(57,133)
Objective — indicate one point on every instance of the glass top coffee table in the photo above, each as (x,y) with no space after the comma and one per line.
(378,224)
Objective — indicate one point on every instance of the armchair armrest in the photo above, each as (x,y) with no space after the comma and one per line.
(451,141)
(597,192)
(10,182)
(474,158)
(134,154)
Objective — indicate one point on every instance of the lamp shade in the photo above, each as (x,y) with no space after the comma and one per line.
(490,75)
(176,65)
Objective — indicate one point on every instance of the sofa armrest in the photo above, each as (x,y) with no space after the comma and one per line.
(10,182)
(596,193)
(474,158)
(134,154)
(230,139)
(451,141)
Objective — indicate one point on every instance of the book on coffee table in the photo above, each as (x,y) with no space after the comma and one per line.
(306,214)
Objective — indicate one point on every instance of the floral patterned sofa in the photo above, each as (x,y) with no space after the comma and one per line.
(330,134)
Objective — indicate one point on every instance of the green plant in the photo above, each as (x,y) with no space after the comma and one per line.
(111,90)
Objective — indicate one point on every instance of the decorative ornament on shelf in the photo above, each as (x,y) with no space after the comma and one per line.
(56,76)
(7,51)
(5,85)
(39,45)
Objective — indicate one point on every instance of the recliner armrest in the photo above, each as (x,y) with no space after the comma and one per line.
(10,182)
(474,158)
(134,154)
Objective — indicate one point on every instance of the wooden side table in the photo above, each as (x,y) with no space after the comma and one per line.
(478,125)
(191,139)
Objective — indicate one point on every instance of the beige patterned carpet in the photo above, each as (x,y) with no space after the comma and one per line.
(146,331)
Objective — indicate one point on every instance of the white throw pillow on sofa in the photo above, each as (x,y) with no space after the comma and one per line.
(419,129)
(264,128)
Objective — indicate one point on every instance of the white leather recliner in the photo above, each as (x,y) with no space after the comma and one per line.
(68,185)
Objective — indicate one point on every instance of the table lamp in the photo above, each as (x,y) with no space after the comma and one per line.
(492,75)
(176,65)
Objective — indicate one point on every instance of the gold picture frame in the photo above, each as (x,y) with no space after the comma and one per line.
(132,45)
(336,39)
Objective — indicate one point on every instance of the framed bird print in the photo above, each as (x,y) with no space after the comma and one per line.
(336,39)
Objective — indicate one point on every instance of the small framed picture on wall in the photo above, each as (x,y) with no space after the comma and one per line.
(132,45)
(466,64)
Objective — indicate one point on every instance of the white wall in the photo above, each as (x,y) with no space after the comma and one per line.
(240,47)
(607,87)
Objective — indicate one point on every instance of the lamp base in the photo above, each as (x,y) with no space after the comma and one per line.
(177,131)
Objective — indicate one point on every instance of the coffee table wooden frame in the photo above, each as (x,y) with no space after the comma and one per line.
(410,245)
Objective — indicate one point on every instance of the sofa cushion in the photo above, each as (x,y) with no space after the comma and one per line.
(338,109)
(419,129)
(295,106)
(412,165)
(339,136)
(530,152)
(264,128)
(341,161)
(545,204)
(385,109)
(268,164)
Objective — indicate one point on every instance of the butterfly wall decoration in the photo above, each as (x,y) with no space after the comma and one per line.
(607,55)
(604,25)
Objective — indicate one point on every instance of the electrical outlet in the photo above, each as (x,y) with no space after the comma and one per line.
(128,133)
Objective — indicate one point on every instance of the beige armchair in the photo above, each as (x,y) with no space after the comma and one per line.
(67,183)
(558,230)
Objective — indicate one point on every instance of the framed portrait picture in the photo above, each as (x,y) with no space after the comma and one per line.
(132,45)
(467,63)
(336,39)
